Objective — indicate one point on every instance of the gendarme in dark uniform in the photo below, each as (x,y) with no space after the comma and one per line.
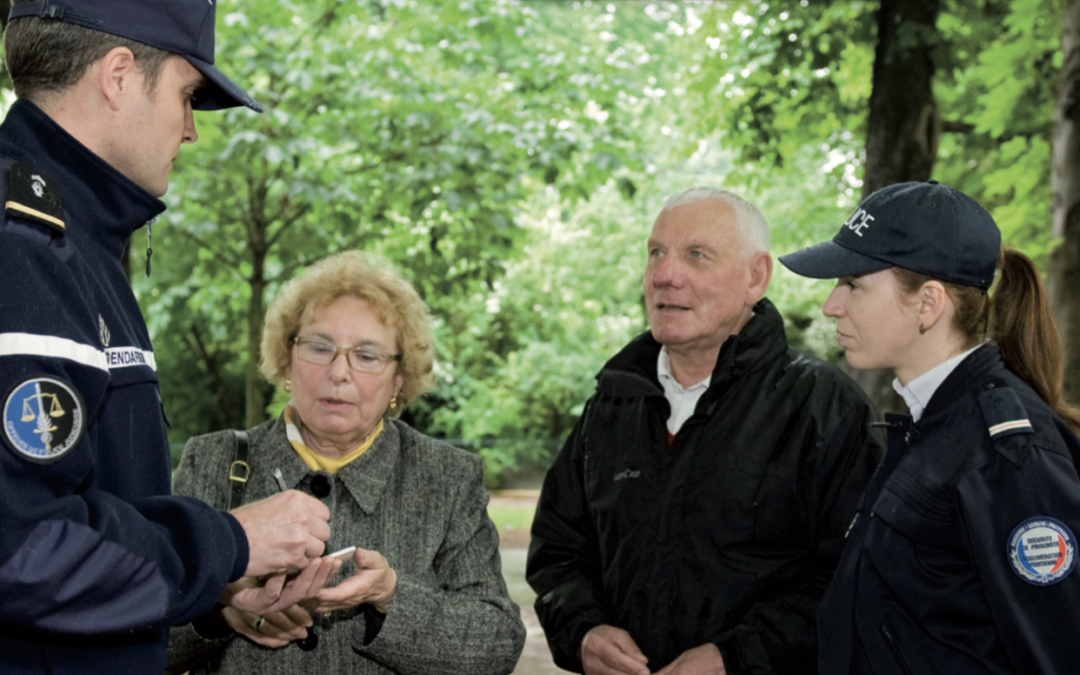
(96,560)
(962,557)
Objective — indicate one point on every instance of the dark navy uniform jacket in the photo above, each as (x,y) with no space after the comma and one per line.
(962,558)
(96,559)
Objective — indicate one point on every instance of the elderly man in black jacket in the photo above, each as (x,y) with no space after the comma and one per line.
(698,510)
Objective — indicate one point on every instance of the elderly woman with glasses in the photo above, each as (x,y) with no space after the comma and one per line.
(423,591)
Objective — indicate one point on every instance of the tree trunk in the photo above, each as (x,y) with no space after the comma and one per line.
(904,126)
(255,410)
(215,374)
(1063,275)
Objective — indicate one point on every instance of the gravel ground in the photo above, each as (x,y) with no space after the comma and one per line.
(535,657)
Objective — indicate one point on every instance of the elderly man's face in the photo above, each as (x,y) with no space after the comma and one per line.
(700,284)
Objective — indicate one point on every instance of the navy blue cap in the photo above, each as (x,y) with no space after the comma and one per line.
(183,27)
(923,227)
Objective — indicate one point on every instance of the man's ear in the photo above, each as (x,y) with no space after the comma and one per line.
(761,267)
(932,301)
(117,75)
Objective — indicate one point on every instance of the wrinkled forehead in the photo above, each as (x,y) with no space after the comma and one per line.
(709,223)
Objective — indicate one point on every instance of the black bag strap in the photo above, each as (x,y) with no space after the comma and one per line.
(239,471)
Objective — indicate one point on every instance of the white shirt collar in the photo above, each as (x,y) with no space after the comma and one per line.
(667,378)
(683,402)
(919,391)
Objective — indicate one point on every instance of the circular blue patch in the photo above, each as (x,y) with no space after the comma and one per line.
(1042,551)
(44,419)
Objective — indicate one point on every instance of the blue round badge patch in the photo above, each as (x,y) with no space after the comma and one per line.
(44,418)
(1042,551)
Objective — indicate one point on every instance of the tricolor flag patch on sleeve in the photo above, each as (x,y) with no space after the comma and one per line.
(1042,551)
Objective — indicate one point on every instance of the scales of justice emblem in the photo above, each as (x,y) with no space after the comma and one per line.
(43,419)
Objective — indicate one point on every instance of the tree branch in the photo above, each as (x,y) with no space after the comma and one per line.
(287,223)
(317,27)
(956,127)
(287,270)
(397,156)
(230,262)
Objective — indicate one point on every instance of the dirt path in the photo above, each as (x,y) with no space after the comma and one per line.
(535,657)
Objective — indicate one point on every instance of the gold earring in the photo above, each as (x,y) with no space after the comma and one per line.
(288,384)
(393,402)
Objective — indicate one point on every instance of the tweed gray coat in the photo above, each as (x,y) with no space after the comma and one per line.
(419,502)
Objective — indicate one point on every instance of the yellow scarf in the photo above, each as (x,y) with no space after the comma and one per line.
(316,461)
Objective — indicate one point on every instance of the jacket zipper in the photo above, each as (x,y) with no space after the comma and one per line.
(894,646)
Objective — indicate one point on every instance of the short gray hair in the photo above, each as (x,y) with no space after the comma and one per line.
(755,229)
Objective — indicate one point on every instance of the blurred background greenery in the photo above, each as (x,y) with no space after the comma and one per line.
(509,158)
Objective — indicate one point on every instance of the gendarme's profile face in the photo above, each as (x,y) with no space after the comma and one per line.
(874,324)
(697,277)
(156,126)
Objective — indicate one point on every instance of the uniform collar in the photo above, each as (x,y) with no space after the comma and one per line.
(967,375)
(106,204)
(918,392)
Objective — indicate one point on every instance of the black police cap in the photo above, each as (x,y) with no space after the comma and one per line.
(183,27)
(923,227)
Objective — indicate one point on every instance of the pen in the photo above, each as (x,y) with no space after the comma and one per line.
(280,480)
(312,640)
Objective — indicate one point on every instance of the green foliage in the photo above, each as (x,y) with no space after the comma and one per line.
(521,357)
(1007,92)
(510,157)
(415,130)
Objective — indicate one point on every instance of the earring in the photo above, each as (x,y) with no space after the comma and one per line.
(922,329)
(393,402)
(288,385)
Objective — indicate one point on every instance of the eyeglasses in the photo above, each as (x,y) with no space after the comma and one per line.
(323,353)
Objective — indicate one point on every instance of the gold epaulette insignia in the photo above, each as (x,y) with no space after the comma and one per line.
(33,196)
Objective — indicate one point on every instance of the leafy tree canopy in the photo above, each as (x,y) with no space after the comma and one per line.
(510,156)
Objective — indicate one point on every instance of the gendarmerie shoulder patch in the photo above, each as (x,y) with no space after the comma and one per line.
(44,419)
(1006,420)
(1042,551)
(33,196)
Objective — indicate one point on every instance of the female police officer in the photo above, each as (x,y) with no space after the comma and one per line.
(962,557)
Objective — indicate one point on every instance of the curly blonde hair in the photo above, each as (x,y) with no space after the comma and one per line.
(355,274)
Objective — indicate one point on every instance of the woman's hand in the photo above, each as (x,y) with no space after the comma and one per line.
(373,584)
(278,592)
(274,630)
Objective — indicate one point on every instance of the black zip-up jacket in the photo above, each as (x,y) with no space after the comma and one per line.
(729,536)
(963,556)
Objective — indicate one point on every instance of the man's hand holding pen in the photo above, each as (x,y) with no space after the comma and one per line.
(287,536)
